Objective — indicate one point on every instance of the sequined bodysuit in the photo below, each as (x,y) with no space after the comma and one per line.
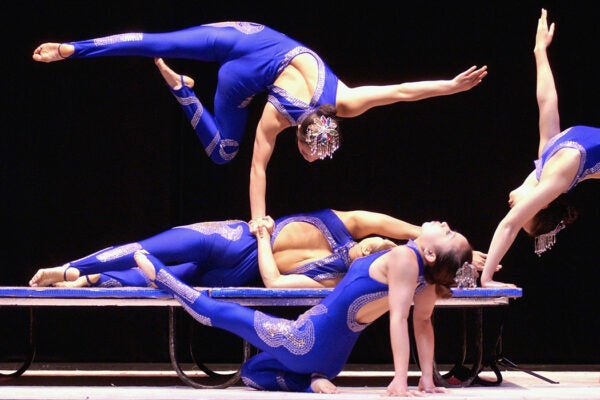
(221,253)
(318,341)
(250,55)
(585,139)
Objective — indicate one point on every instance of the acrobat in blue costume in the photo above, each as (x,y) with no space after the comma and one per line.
(318,342)
(251,56)
(219,253)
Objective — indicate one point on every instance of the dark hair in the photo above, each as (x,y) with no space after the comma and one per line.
(548,218)
(328,110)
(443,271)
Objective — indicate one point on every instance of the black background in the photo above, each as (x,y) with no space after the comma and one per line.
(97,152)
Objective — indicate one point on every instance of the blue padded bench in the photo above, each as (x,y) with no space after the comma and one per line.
(473,299)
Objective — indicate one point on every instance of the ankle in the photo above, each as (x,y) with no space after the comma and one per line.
(59,53)
(67,274)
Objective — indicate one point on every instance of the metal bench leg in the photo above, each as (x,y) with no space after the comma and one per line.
(30,353)
(500,360)
(460,375)
(230,378)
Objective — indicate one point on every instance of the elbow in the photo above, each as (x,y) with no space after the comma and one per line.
(273,283)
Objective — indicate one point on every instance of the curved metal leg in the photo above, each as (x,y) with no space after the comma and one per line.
(230,379)
(460,375)
(30,353)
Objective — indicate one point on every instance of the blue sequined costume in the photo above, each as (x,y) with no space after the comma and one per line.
(585,139)
(250,55)
(318,341)
(222,253)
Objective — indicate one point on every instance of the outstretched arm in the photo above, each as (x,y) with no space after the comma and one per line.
(507,230)
(269,126)
(362,223)
(355,101)
(547,98)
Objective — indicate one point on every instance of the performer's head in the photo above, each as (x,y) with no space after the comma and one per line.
(445,251)
(318,135)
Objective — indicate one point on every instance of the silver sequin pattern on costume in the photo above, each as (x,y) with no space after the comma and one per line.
(182,291)
(217,140)
(222,228)
(123,37)
(245,27)
(118,252)
(250,383)
(298,336)
(353,324)
(111,283)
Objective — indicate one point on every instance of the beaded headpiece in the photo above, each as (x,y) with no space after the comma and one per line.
(466,276)
(546,241)
(322,137)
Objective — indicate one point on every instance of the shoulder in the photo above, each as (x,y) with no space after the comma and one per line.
(403,259)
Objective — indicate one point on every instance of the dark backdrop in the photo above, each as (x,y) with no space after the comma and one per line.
(97,152)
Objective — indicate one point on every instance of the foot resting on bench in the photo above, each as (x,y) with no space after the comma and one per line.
(50,276)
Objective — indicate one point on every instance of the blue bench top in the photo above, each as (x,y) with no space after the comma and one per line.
(224,292)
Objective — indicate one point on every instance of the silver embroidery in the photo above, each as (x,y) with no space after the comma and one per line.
(298,336)
(221,228)
(123,37)
(184,294)
(203,319)
(186,101)
(351,321)
(250,383)
(228,143)
(213,144)
(216,141)
(244,27)
(118,252)
(110,283)
(328,275)
(181,290)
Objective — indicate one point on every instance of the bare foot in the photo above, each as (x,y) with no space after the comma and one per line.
(173,78)
(145,265)
(322,385)
(49,276)
(50,52)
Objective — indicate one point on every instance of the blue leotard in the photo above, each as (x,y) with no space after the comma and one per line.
(585,139)
(222,253)
(250,55)
(318,341)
